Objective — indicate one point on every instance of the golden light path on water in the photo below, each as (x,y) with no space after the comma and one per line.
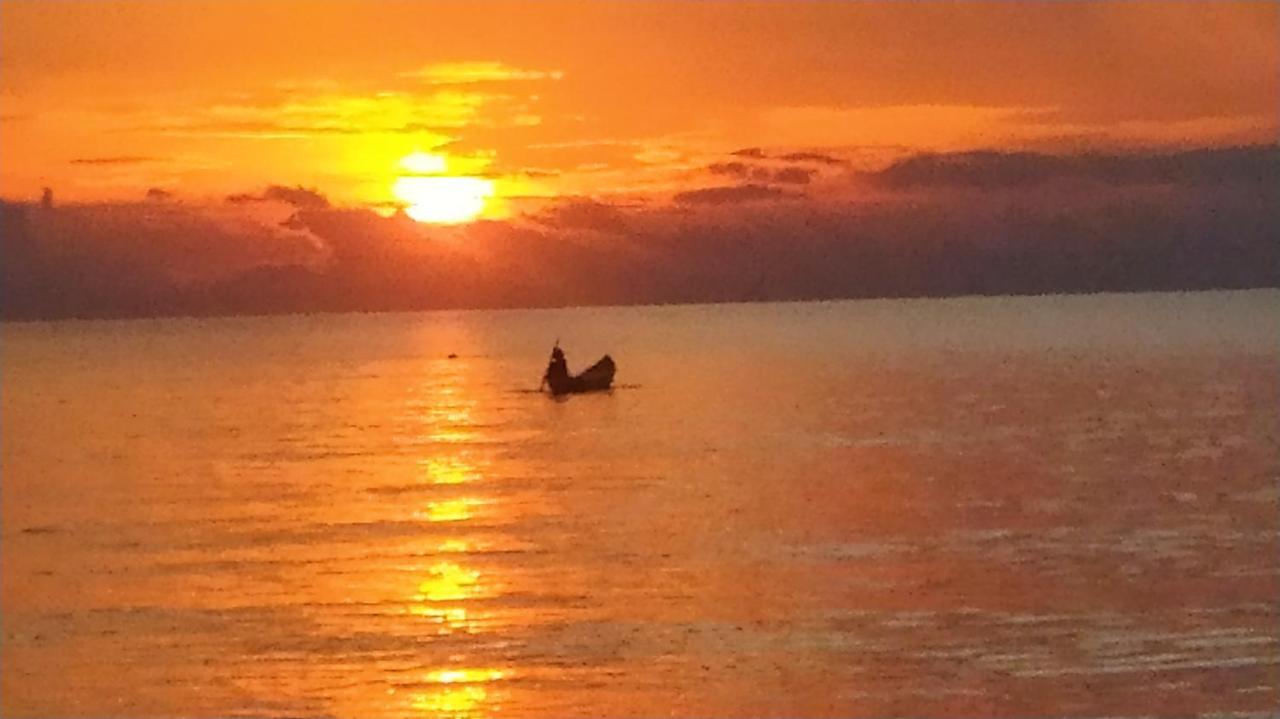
(444,596)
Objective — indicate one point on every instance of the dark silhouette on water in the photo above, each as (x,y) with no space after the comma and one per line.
(598,376)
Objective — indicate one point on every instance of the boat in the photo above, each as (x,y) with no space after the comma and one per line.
(595,378)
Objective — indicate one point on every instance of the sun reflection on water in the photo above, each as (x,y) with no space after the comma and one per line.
(453,546)
(464,701)
(450,470)
(465,676)
(453,434)
(451,619)
(451,510)
(451,418)
(448,582)
(448,599)
(439,597)
(463,691)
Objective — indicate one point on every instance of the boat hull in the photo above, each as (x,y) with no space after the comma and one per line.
(595,378)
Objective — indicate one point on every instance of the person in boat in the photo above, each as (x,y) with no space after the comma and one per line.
(557,371)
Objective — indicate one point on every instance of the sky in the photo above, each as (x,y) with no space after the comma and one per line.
(249,157)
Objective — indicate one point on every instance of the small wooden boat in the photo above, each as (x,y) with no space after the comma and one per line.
(598,376)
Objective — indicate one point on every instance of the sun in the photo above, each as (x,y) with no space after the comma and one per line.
(442,199)
(438,198)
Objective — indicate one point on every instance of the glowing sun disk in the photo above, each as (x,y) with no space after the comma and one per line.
(442,199)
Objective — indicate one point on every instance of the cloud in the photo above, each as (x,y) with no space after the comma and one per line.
(794,175)
(814,157)
(994,169)
(803,156)
(733,169)
(300,197)
(298,114)
(761,174)
(285,250)
(538,172)
(730,195)
(119,160)
(585,214)
(272,130)
(132,259)
(468,73)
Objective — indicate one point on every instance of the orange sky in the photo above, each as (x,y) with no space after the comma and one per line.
(103,100)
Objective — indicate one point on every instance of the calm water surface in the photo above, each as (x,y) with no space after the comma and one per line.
(1005,507)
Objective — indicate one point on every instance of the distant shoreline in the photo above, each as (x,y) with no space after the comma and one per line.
(690,303)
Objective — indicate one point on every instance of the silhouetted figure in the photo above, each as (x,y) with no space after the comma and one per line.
(557,371)
(46,198)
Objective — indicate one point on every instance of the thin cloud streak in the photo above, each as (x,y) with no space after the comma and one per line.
(470,73)
(118,160)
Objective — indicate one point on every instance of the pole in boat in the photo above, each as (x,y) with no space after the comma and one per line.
(543,383)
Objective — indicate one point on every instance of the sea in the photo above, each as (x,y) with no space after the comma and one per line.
(1060,506)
